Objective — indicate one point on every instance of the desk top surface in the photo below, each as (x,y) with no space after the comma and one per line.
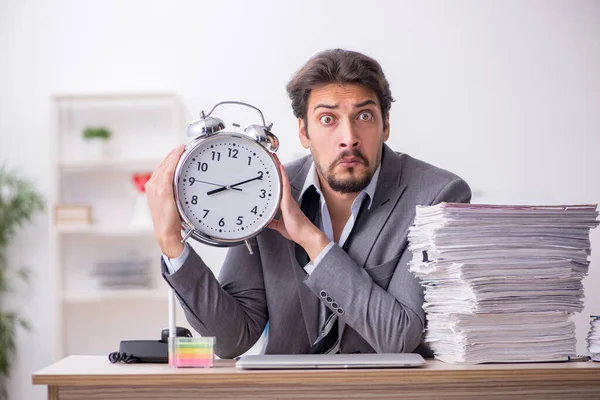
(98,371)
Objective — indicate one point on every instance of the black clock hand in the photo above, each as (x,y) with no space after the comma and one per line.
(232,186)
(246,181)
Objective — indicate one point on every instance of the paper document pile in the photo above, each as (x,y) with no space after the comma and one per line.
(593,338)
(501,282)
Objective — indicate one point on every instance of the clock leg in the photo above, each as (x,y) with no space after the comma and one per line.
(249,247)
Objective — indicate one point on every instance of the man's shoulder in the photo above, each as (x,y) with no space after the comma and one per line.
(426,182)
(414,168)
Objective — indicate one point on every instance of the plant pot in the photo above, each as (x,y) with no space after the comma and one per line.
(95,149)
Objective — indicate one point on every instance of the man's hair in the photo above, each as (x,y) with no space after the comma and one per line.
(342,67)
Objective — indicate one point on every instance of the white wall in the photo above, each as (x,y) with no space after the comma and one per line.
(503,93)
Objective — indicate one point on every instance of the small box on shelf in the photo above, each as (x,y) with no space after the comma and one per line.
(73,214)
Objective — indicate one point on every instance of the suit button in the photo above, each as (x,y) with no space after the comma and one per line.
(340,311)
(323,294)
(329,299)
(334,305)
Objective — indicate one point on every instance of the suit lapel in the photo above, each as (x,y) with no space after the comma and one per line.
(371,221)
(308,301)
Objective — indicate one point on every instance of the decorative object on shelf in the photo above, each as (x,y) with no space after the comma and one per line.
(126,273)
(72,214)
(227,184)
(19,201)
(141,212)
(95,139)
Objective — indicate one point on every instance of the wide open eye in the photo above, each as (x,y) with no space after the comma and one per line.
(365,116)
(327,119)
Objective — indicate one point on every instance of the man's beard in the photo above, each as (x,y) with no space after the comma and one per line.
(353,184)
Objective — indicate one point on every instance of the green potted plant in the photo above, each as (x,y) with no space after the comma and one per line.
(19,201)
(96,139)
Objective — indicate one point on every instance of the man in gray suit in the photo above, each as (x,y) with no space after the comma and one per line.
(338,271)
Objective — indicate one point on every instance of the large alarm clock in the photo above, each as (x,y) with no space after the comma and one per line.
(227,184)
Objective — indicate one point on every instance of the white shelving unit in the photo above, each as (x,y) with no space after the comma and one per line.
(102,295)
(116,164)
(104,230)
(91,318)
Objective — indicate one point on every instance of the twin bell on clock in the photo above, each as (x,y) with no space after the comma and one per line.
(227,184)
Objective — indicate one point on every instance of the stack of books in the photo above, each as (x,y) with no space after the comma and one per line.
(501,282)
(69,214)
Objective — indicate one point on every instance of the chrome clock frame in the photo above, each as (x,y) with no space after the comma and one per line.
(203,130)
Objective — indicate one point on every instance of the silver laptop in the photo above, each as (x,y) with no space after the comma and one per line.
(311,361)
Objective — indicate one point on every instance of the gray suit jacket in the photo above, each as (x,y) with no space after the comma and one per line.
(378,300)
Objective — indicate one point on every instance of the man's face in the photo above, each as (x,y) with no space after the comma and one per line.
(345,132)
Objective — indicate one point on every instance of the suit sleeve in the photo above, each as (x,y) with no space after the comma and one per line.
(392,320)
(457,191)
(235,312)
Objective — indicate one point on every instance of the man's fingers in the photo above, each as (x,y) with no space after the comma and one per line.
(165,160)
(161,178)
(279,226)
(284,177)
(288,204)
(173,159)
(285,185)
(285,181)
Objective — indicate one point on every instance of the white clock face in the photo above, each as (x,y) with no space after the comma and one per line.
(228,187)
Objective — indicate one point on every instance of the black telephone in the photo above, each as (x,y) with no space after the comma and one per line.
(146,351)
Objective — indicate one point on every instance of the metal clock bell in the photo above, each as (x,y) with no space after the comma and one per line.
(227,185)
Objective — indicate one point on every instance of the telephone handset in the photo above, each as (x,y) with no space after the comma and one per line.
(147,351)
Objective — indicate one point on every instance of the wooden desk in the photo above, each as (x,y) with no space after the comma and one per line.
(93,377)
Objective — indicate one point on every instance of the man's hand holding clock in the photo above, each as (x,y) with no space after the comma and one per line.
(249,186)
(166,219)
(294,225)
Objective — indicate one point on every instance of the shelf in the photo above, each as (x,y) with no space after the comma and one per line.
(144,127)
(115,294)
(158,96)
(110,164)
(105,230)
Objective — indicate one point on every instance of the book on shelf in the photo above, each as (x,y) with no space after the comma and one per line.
(68,214)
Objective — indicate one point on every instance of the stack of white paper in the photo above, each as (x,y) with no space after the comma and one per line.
(501,281)
(593,338)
